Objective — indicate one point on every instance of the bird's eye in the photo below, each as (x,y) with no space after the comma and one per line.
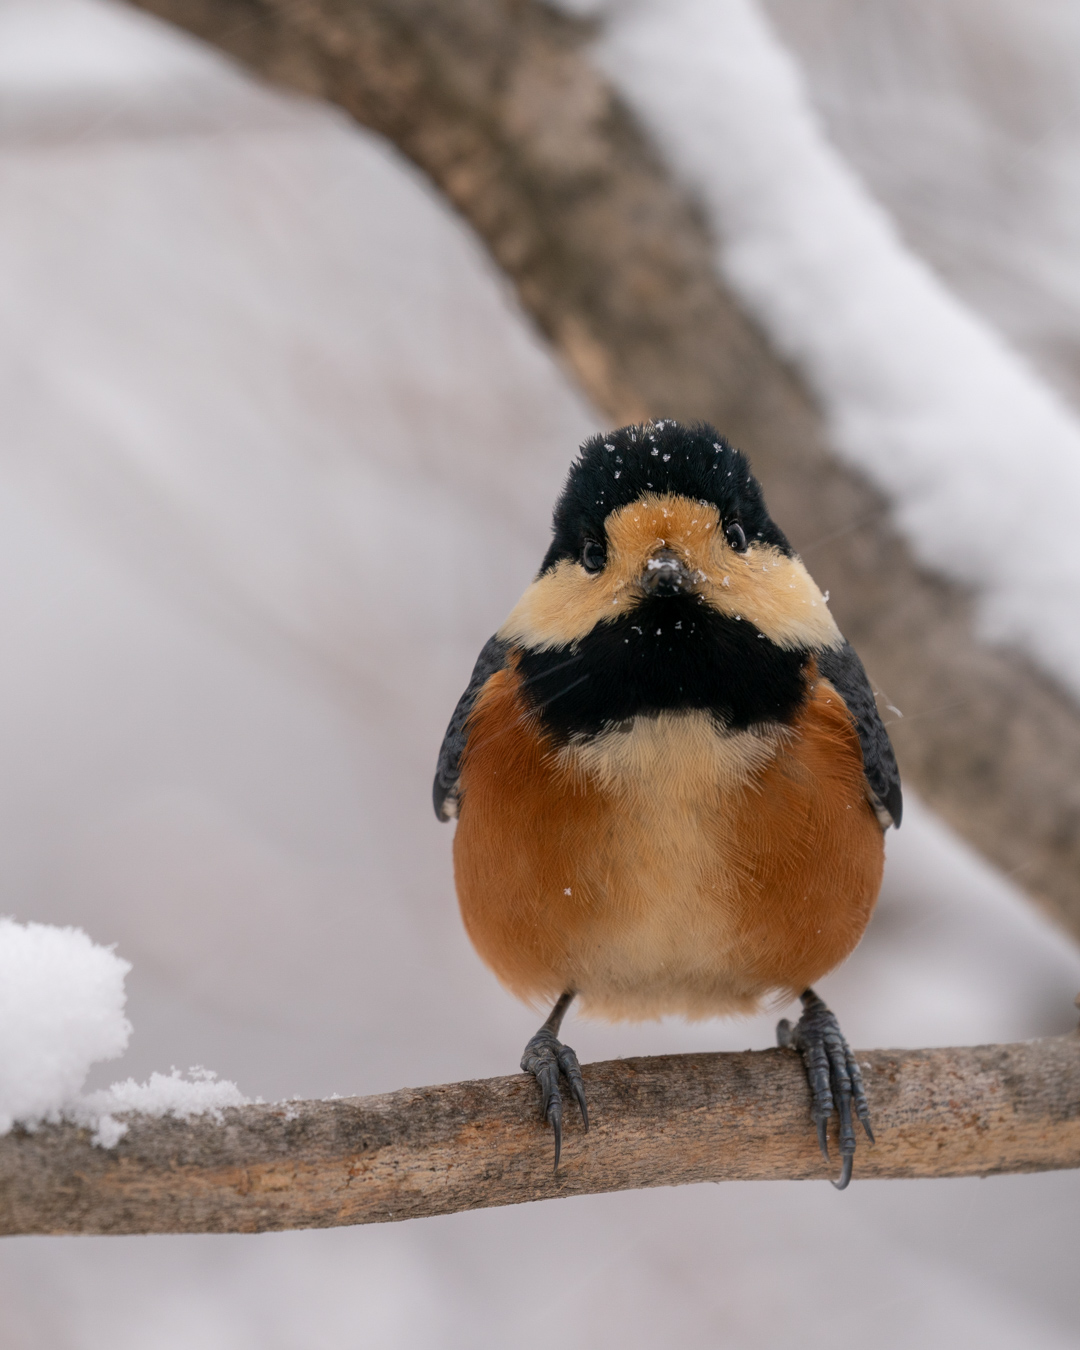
(593,556)
(733,533)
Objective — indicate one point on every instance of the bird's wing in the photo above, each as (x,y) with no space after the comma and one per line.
(445,789)
(843,669)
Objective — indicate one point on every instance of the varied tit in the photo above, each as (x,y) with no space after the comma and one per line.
(668,770)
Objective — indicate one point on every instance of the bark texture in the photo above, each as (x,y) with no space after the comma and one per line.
(497,102)
(664,1121)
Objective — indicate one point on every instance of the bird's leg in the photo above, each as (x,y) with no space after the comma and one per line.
(546,1058)
(834,1077)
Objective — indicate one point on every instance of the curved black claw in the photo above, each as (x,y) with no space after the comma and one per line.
(546,1058)
(834,1076)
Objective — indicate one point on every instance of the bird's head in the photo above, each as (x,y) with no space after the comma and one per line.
(667,585)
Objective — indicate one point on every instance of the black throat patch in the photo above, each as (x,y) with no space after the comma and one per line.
(667,654)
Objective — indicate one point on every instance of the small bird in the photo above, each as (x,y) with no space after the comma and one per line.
(670,778)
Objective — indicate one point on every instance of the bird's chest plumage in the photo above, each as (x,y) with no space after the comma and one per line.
(664,865)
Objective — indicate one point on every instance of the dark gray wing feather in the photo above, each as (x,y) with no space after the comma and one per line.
(843,669)
(445,790)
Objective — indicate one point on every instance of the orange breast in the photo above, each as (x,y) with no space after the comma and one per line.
(666,868)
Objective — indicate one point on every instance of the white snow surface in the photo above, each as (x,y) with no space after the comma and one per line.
(61,1010)
(163,1094)
(979,456)
(279,452)
(963,118)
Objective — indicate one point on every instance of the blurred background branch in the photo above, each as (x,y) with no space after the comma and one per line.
(497,102)
(661,1121)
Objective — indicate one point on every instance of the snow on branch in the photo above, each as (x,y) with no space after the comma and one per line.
(663,1121)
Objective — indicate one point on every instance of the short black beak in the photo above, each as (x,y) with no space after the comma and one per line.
(665,574)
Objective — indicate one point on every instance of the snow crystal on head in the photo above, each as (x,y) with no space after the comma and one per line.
(660,457)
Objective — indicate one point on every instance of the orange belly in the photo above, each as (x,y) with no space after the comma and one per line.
(664,868)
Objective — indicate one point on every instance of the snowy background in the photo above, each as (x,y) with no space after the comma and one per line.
(277,454)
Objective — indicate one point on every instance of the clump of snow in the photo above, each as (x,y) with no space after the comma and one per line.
(61,1010)
(171,1094)
(980,458)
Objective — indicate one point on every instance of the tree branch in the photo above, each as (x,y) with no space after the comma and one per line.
(496,101)
(665,1121)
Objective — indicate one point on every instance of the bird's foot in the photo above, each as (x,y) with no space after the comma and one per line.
(834,1077)
(546,1058)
